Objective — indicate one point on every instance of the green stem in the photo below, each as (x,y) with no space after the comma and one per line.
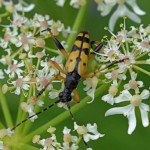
(20,112)
(23,146)
(4,14)
(142,55)
(79,139)
(37,66)
(52,50)
(17,52)
(141,69)
(76,25)
(1,126)
(5,108)
(142,62)
(24,114)
(65,114)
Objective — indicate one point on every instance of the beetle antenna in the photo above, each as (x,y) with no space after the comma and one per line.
(68,106)
(45,109)
(85,143)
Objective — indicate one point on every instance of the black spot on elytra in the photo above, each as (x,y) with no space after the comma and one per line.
(84,64)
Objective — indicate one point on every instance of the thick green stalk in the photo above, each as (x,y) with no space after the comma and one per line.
(5,109)
(22,146)
(66,114)
(24,114)
(142,70)
(20,111)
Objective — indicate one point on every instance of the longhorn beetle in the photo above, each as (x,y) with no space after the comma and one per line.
(75,68)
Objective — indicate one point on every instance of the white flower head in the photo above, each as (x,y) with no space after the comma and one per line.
(22,83)
(88,132)
(68,138)
(15,68)
(129,110)
(105,7)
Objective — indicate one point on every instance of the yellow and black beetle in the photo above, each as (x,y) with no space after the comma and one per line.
(75,68)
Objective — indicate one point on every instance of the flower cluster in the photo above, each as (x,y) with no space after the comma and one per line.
(84,133)
(133,47)
(9,7)
(26,57)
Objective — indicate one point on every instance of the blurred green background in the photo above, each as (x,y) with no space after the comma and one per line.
(114,127)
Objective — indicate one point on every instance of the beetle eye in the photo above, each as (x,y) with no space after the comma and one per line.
(61,95)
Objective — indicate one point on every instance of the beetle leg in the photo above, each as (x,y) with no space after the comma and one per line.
(76,96)
(98,47)
(58,44)
(90,75)
(50,81)
(56,65)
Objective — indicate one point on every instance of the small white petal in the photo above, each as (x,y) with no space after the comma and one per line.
(66,130)
(87,137)
(105,9)
(108,98)
(126,86)
(135,7)
(125,96)
(145,94)
(17,91)
(131,121)
(140,83)
(24,9)
(145,107)
(91,94)
(75,126)
(144,116)
(108,75)
(53,94)
(114,17)
(119,110)
(133,16)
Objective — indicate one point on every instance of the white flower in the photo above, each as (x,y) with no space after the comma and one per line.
(18,20)
(24,7)
(15,68)
(106,6)
(29,108)
(129,110)
(10,35)
(114,75)
(49,143)
(133,84)
(68,137)
(88,132)
(91,84)
(142,44)
(25,40)
(21,84)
